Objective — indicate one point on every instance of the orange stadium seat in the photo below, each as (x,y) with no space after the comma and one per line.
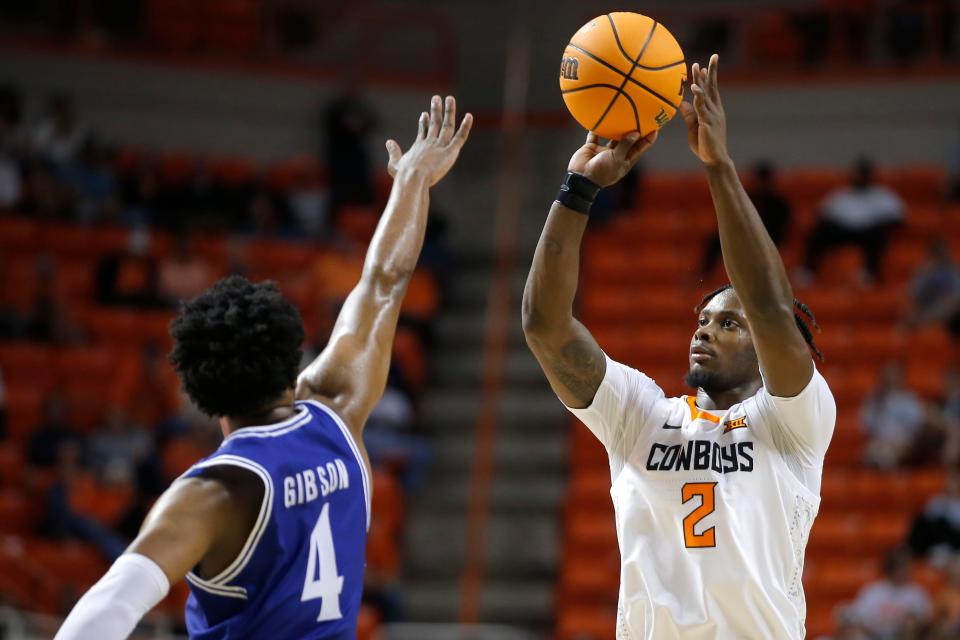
(18,234)
(174,24)
(232,26)
(128,327)
(232,172)
(77,566)
(12,464)
(367,623)
(586,623)
(23,411)
(83,242)
(297,172)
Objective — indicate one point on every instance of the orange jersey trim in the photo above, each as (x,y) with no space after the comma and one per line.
(696,412)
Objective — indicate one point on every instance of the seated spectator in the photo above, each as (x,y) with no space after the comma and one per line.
(904,33)
(935,291)
(861,215)
(390,439)
(771,204)
(848,626)
(90,178)
(46,439)
(140,197)
(892,606)
(61,517)
(893,418)
(48,320)
(184,274)
(347,122)
(935,533)
(59,136)
(946,607)
(129,278)
(119,445)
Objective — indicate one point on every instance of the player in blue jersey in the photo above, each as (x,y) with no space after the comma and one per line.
(270,530)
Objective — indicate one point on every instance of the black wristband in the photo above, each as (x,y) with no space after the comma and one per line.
(577,193)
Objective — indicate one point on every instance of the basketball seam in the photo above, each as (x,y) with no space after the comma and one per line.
(616,36)
(636,116)
(590,86)
(613,68)
(633,105)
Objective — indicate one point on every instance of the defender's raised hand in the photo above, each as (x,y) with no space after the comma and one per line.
(605,165)
(437,146)
(705,119)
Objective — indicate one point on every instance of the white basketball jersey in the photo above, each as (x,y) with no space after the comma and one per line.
(713,508)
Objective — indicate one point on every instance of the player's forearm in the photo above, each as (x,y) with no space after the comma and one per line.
(395,248)
(552,283)
(751,258)
(113,607)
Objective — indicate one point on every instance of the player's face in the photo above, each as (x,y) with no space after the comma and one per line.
(722,356)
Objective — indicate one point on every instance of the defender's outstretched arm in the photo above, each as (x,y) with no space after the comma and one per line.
(351,373)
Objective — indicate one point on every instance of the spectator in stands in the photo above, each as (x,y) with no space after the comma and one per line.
(90,178)
(618,198)
(59,136)
(893,606)
(935,291)
(61,519)
(893,418)
(950,417)
(52,432)
(848,626)
(48,319)
(861,215)
(772,205)
(935,533)
(946,608)
(43,197)
(348,122)
(11,118)
(139,196)
(11,181)
(905,32)
(184,274)
(130,277)
(389,435)
(119,443)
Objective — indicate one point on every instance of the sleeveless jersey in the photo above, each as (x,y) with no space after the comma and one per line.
(300,573)
(713,508)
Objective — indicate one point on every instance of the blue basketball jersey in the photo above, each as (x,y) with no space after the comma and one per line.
(300,573)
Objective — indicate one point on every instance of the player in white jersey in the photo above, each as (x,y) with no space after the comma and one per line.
(714,493)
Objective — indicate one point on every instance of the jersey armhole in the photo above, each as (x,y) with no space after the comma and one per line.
(218,585)
(367,486)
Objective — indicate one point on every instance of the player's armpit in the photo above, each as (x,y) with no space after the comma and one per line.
(183,526)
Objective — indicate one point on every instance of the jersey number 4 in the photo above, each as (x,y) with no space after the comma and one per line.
(707,493)
(322,580)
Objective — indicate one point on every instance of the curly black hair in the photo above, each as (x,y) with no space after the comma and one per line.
(237,346)
(803,311)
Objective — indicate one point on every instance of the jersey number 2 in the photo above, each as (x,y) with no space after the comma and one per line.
(322,580)
(707,493)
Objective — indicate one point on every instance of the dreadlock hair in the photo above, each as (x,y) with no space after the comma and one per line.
(802,311)
(237,347)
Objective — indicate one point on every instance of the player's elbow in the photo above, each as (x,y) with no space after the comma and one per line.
(389,277)
(532,319)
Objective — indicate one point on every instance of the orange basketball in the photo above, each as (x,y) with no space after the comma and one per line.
(622,72)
